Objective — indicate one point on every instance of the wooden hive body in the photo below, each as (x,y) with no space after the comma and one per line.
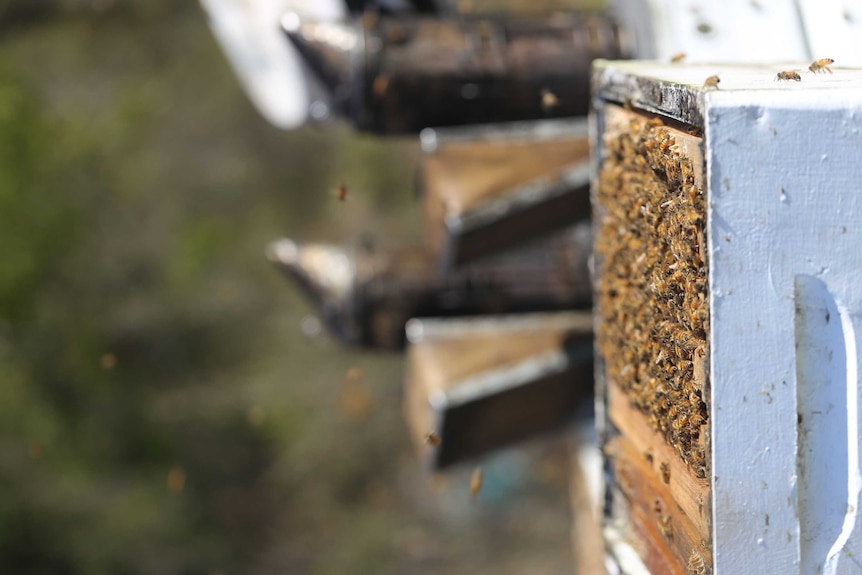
(728,296)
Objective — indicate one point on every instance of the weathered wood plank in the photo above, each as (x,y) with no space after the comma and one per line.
(688,491)
(686,540)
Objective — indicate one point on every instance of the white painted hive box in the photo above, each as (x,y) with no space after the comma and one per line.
(728,314)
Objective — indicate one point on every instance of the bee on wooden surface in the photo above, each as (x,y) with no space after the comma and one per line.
(664,525)
(431,438)
(341,192)
(549,100)
(664,468)
(476,482)
(788,75)
(821,65)
(712,82)
(677,58)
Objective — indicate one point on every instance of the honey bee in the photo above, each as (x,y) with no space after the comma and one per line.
(476,482)
(341,192)
(380,85)
(108,361)
(665,472)
(696,564)
(712,82)
(679,424)
(549,100)
(431,438)
(821,65)
(692,192)
(677,58)
(686,170)
(788,75)
(664,525)
(696,419)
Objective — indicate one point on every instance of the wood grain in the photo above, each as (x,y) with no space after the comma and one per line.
(690,492)
(686,540)
(460,175)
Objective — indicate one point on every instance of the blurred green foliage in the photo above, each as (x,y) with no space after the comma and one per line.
(160,411)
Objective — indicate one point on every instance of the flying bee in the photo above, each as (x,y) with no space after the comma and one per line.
(712,82)
(431,438)
(380,85)
(476,482)
(677,58)
(679,424)
(341,192)
(549,100)
(788,75)
(821,65)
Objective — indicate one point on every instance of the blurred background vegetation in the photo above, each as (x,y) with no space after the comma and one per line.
(161,411)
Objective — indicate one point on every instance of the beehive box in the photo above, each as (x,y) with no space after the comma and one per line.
(488,189)
(728,289)
(478,384)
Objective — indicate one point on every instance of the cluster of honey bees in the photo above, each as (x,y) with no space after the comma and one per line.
(652,286)
(816,67)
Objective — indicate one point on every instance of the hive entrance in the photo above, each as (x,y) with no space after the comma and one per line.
(652,276)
